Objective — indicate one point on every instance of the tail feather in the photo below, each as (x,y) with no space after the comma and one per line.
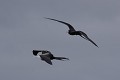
(61,58)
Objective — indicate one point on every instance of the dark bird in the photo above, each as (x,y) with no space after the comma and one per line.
(47,56)
(72,31)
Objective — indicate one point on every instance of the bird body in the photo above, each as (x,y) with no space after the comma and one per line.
(72,31)
(47,56)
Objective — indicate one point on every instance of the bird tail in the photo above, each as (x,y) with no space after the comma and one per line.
(61,58)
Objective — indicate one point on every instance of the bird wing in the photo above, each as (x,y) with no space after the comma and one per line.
(92,42)
(83,35)
(70,26)
(46,59)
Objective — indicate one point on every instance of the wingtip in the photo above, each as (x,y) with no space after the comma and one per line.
(46,18)
(50,63)
(97,47)
(67,59)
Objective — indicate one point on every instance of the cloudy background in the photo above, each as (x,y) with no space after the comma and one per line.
(23,28)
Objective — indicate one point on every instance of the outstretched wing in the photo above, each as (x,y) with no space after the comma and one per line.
(83,35)
(70,26)
(46,59)
(92,42)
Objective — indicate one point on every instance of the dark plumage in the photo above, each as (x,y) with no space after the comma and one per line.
(47,56)
(72,31)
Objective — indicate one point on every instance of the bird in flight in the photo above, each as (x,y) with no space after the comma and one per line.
(47,56)
(72,31)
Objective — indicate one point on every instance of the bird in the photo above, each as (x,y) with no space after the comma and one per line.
(47,56)
(72,31)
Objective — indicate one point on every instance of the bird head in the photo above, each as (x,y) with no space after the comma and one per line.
(35,52)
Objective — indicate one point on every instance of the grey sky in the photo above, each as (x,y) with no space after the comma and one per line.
(23,28)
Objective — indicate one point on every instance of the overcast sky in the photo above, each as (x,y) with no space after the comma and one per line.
(23,28)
